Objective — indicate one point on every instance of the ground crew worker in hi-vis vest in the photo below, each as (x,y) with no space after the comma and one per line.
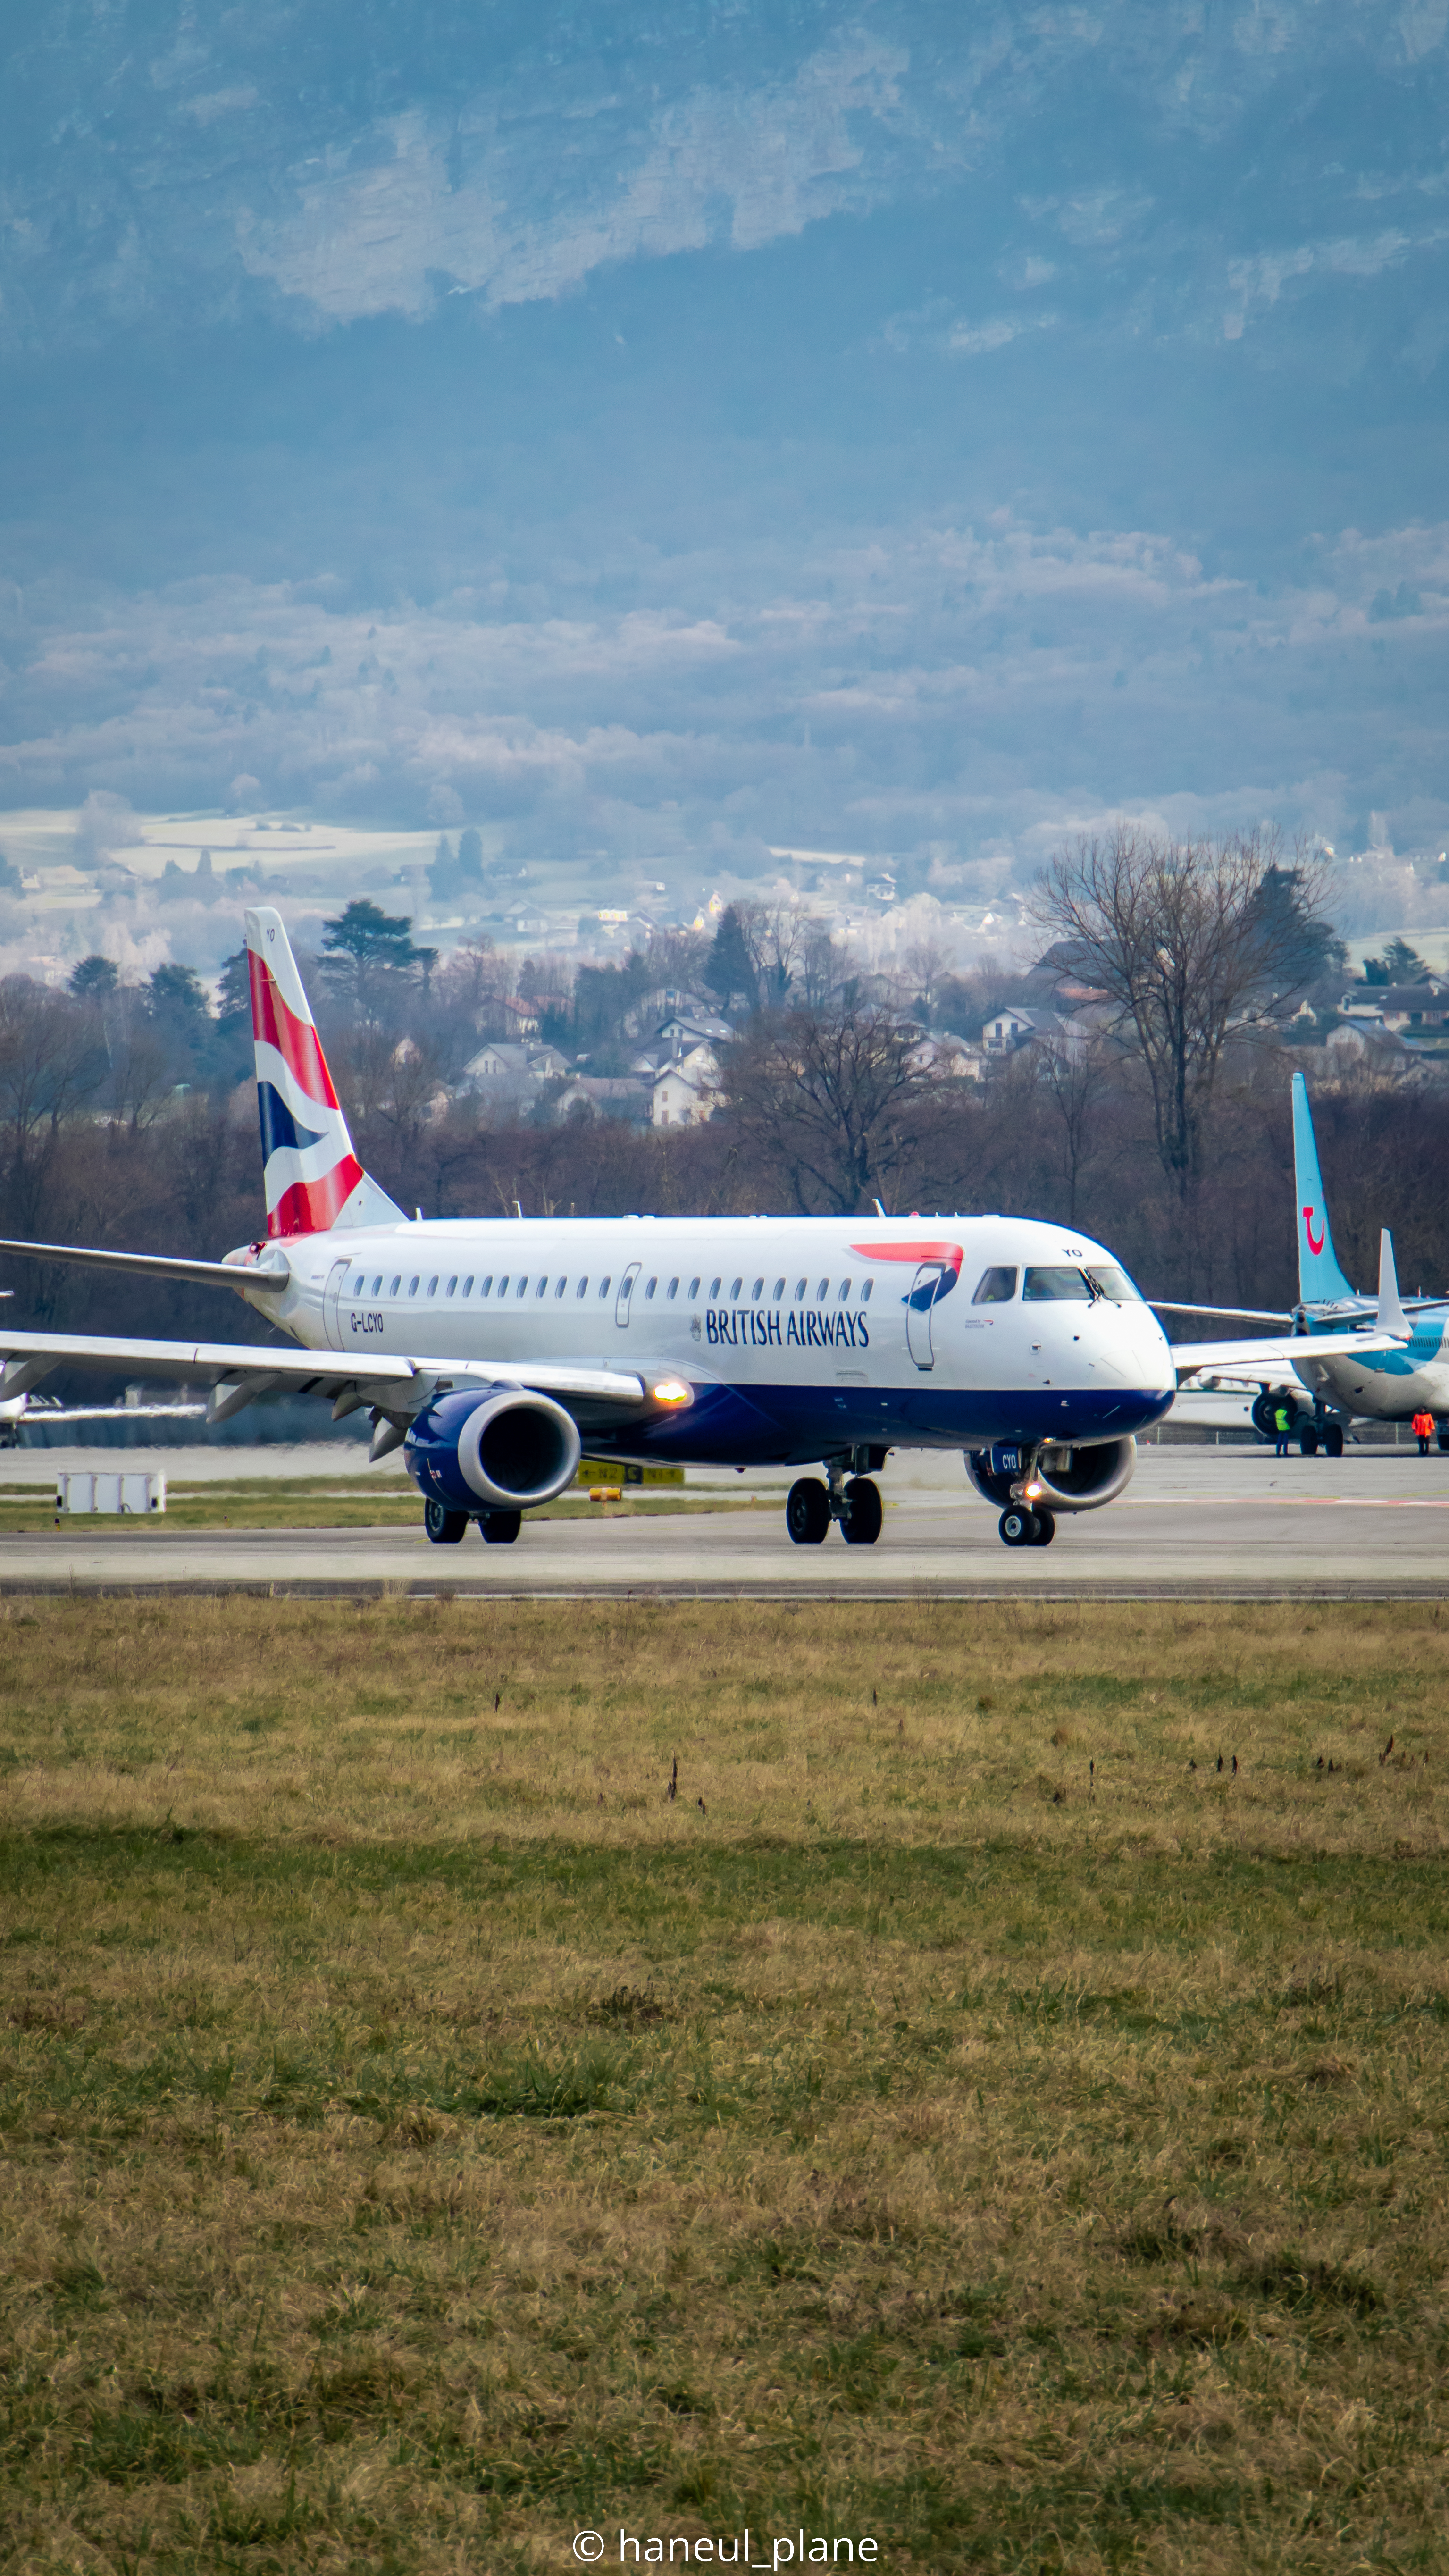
(1283,1425)
(1422,1428)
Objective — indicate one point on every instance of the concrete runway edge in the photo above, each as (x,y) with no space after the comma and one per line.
(1195,1525)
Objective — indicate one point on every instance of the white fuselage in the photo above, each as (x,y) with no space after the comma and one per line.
(1386,1386)
(826,1333)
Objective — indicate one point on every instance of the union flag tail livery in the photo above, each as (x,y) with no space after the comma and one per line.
(1320,1280)
(312,1177)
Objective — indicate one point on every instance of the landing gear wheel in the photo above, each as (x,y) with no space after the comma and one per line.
(1308,1443)
(1444,1438)
(1046,1529)
(807,1511)
(444,1528)
(861,1519)
(500,1529)
(1018,1527)
(1333,1440)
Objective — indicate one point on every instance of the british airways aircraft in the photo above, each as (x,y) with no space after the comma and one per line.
(489,1351)
(1360,1358)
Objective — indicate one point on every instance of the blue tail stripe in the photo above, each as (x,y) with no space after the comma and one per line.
(279,1127)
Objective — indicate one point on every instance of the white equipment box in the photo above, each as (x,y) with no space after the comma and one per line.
(132,1490)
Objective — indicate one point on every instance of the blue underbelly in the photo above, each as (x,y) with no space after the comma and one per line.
(788,1425)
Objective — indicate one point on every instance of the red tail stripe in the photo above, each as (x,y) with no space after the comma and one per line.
(310,1207)
(295,1040)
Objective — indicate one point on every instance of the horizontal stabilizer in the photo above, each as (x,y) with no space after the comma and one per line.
(157,1265)
(1248,1358)
(1242,1314)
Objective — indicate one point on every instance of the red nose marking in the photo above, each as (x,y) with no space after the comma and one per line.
(1308,1230)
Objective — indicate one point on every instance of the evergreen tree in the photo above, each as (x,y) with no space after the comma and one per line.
(93,979)
(233,988)
(366,936)
(729,968)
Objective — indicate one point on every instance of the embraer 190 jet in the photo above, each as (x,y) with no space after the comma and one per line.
(490,1351)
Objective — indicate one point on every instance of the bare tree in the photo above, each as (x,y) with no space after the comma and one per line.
(1072,1073)
(927,964)
(1184,938)
(143,1066)
(51,1060)
(776,937)
(829,1101)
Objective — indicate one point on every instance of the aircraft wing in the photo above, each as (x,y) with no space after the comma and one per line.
(237,1371)
(1259,1359)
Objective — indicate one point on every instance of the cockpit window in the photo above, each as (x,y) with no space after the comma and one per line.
(1111,1282)
(1069,1287)
(997,1288)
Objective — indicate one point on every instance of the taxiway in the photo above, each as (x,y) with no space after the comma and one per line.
(1231,1524)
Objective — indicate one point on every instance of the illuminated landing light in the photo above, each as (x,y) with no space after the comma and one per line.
(1033,1492)
(670,1390)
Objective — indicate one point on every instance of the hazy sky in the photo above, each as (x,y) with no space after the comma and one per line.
(686,426)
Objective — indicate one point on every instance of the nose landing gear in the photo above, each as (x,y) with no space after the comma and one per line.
(1020,1528)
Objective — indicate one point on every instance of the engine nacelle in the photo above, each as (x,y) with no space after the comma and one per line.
(506,1452)
(1075,1477)
(1264,1416)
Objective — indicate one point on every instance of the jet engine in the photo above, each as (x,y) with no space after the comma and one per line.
(502,1453)
(1075,1477)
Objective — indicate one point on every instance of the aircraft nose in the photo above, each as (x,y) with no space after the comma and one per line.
(1134,1341)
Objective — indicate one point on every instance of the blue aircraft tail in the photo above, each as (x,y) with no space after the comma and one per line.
(1320,1279)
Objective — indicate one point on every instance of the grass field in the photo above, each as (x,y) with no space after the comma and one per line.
(963,2117)
(328,1503)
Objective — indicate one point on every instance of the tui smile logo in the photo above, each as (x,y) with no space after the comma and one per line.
(1315,1244)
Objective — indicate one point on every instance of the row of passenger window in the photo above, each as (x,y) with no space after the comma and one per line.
(520,1286)
(997,1287)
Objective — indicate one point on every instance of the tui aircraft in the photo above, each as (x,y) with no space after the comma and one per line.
(1395,1360)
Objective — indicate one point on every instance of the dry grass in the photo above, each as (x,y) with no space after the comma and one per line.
(972,2127)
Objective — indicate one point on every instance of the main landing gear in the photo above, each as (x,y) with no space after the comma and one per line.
(445,1528)
(811,1507)
(1018,1527)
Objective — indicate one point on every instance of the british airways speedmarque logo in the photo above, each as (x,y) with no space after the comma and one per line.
(922,1254)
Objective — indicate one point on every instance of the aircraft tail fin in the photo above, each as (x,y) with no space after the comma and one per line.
(314,1181)
(1320,1279)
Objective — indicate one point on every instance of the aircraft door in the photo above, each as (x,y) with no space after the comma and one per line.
(924,1290)
(624,1300)
(331,1304)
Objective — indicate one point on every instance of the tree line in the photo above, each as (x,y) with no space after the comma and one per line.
(129,1118)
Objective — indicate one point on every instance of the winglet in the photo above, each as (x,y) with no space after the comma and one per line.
(1391,1317)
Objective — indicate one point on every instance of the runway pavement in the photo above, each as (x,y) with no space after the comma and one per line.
(1196,1523)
